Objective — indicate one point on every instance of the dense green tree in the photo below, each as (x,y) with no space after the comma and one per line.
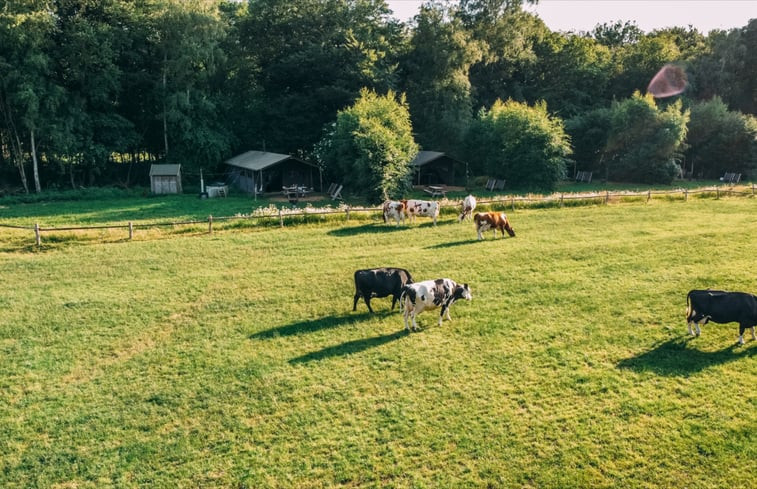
(720,141)
(29,94)
(370,146)
(314,57)
(520,143)
(573,74)
(645,143)
(436,80)
(588,133)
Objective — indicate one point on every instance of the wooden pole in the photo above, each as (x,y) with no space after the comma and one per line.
(131,231)
(210,224)
(562,196)
(685,195)
(38,239)
(347,212)
(649,196)
(281,219)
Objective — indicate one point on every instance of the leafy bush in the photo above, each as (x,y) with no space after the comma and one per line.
(522,144)
(370,147)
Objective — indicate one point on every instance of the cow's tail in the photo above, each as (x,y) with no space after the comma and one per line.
(688,306)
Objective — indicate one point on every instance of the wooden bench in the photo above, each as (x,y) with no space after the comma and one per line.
(493,184)
(731,178)
(583,176)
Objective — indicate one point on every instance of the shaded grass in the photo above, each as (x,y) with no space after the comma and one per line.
(234,359)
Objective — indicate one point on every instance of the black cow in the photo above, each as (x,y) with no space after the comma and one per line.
(720,306)
(380,282)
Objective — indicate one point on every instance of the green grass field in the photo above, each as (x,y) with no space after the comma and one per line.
(234,359)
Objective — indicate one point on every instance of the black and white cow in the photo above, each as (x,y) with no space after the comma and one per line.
(720,306)
(380,282)
(431,294)
(428,208)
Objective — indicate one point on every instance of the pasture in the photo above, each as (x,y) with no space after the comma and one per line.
(234,359)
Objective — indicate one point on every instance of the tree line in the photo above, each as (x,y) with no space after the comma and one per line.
(91,88)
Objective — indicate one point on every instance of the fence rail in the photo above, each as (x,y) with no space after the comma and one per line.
(513,202)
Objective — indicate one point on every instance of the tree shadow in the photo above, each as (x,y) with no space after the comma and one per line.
(348,348)
(320,324)
(372,228)
(452,244)
(676,357)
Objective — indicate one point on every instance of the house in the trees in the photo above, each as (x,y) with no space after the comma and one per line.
(258,172)
(165,179)
(434,168)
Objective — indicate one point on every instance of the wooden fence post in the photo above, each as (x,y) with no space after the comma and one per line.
(649,196)
(562,196)
(752,190)
(281,219)
(512,203)
(717,193)
(347,212)
(38,240)
(210,224)
(685,195)
(131,231)
(607,197)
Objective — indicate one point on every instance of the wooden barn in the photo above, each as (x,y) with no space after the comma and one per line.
(259,172)
(434,168)
(165,179)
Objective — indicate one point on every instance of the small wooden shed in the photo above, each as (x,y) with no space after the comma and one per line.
(165,179)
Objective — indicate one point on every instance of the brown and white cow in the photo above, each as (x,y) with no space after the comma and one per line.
(467,208)
(428,208)
(395,209)
(492,220)
(431,294)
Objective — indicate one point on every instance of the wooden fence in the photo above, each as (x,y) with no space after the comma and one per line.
(512,202)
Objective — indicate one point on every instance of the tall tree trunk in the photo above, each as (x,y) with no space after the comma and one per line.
(35,165)
(165,109)
(15,144)
(19,157)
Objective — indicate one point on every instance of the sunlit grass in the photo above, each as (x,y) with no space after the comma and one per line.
(233,359)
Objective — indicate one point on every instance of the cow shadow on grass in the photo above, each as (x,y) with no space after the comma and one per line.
(348,348)
(313,325)
(677,357)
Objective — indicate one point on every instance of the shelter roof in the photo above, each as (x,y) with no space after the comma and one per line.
(165,170)
(426,157)
(260,160)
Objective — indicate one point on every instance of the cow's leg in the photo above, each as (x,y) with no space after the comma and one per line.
(698,331)
(742,328)
(754,337)
(354,303)
(367,299)
(478,231)
(395,298)
(415,325)
(405,315)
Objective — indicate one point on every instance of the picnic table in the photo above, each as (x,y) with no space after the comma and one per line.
(294,192)
(436,190)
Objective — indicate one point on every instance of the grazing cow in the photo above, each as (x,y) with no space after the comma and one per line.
(492,220)
(428,208)
(431,294)
(467,208)
(719,306)
(380,282)
(395,209)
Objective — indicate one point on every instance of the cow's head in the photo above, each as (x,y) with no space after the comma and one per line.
(463,292)
(508,227)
